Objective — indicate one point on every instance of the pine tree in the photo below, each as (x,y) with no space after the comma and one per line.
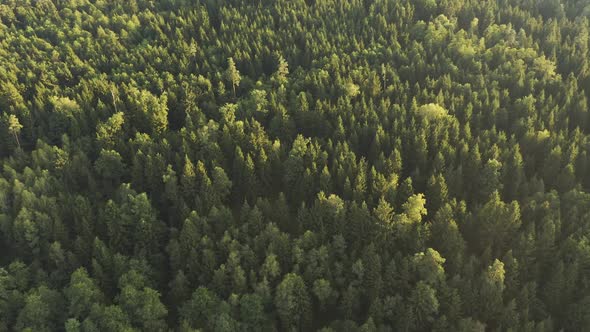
(14,127)
(233,75)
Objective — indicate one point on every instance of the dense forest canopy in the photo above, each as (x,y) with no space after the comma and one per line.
(294,165)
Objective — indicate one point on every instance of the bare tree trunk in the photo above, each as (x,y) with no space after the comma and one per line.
(17,140)
(114,100)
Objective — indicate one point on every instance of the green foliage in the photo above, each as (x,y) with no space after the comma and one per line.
(293,303)
(144,308)
(41,310)
(415,208)
(110,132)
(82,294)
(232,74)
(14,127)
(215,166)
(432,111)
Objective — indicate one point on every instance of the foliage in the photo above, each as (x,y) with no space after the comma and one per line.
(354,165)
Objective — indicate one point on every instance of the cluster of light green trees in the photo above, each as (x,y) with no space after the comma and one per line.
(294,165)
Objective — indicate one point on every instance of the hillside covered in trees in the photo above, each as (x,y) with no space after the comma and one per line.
(294,165)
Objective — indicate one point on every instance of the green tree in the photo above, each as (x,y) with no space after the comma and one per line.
(81,294)
(132,224)
(14,127)
(143,305)
(415,208)
(200,310)
(233,75)
(495,224)
(293,303)
(491,295)
(109,133)
(43,310)
(323,291)
(110,166)
(436,192)
(425,305)
(429,266)
(252,314)
(282,70)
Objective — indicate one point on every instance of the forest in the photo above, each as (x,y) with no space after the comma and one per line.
(294,165)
